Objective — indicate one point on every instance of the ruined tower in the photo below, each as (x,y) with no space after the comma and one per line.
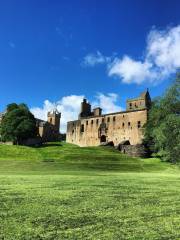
(143,101)
(54,119)
(85,109)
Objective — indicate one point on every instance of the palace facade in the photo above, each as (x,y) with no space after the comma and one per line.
(94,128)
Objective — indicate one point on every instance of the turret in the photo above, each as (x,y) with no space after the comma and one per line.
(85,109)
(54,119)
(97,111)
(143,101)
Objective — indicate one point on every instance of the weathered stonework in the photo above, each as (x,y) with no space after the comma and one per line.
(93,128)
(49,130)
(137,150)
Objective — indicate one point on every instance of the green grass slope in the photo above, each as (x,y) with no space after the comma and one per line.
(61,191)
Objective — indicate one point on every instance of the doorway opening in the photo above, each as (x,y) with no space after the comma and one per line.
(103,138)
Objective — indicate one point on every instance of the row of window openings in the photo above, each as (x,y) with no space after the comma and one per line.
(97,120)
(114,119)
(123,124)
(135,105)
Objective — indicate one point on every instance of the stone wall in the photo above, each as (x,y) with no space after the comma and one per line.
(138,150)
(116,127)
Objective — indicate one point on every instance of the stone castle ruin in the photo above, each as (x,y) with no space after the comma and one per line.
(120,128)
(49,130)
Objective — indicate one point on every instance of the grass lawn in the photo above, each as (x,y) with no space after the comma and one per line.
(61,191)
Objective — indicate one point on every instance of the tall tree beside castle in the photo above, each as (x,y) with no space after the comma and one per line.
(162,133)
(18,124)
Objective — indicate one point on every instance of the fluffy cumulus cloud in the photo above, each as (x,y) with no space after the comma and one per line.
(161,59)
(95,59)
(69,106)
(107,102)
(163,49)
(130,70)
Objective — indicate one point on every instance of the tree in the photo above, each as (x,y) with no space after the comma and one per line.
(162,131)
(18,124)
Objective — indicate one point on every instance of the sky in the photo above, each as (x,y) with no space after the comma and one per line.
(54,53)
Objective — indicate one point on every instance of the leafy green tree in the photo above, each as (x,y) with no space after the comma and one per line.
(162,131)
(18,124)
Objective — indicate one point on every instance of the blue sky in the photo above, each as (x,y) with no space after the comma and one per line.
(50,50)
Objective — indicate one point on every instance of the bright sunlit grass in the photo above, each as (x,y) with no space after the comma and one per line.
(61,191)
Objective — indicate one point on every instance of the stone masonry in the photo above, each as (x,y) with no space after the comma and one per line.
(93,128)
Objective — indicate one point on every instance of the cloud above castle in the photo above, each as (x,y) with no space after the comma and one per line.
(69,106)
(161,58)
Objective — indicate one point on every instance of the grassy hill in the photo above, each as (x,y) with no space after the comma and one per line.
(61,191)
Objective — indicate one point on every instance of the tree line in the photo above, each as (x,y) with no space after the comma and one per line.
(162,131)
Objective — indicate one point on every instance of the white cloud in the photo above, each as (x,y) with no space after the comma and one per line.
(95,59)
(107,102)
(69,106)
(161,59)
(163,49)
(131,71)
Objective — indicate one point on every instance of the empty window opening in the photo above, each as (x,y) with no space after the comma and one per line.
(108,120)
(123,125)
(114,119)
(139,124)
(130,105)
(86,122)
(91,121)
(129,124)
(97,121)
(82,128)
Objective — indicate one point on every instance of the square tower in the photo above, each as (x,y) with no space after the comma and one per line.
(54,119)
(143,101)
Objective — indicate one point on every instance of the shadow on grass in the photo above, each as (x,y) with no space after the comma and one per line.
(44,145)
